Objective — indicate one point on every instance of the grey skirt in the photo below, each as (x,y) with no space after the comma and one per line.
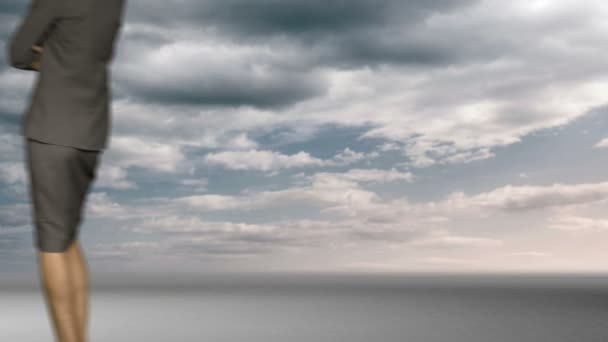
(60,178)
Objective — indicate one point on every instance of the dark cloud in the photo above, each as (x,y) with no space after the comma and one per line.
(13,6)
(9,121)
(338,34)
(378,48)
(277,91)
(346,33)
(280,17)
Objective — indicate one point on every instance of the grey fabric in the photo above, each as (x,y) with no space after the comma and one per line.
(70,104)
(60,178)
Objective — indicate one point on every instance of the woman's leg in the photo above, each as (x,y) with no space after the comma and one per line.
(60,178)
(58,292)
(78,272)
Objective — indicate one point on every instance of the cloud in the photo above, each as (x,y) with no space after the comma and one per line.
(349,156)
(12,173)
(113,176)
(351,218)
(428,86)
(15,217)
(397,66)
(334,192)
(275,161)
(573,223)
(195,184)
(261,160)
(153,155)
(445,240)
(191,73)
(190,237)
(342,194)
(270,17)
(529,197)
(529,254)
(364,215)
(211,202)
(207,37)
(362,176)
(130,151)
(447,261)
(602,143)
(99,204)
(12,7)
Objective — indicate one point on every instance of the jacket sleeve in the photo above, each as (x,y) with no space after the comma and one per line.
(34,29)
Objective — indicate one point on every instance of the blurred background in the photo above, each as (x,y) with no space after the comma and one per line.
(312,169)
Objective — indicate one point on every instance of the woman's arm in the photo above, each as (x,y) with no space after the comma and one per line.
(34,29)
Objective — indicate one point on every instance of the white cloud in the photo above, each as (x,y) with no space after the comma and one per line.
(13,177)
(530,254)
(444,239)
(100,205)
(602,143)
(210,202)
(261,160)
(527,197)
(275,161)
(13,173)
(113,176)
(447,261)
(129,151)
(572,223)
(365,225)
(362,176)
(349,156)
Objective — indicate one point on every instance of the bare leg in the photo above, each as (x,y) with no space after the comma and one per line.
(59,294)
(80,285)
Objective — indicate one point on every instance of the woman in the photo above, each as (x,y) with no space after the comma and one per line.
(70,44)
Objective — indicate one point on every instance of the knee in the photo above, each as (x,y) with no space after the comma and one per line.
(53,236)
(52,248)
(53,245)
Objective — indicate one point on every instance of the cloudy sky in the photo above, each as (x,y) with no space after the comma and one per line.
(360,135)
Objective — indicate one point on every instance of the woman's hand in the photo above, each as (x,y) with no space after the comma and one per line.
(36,64)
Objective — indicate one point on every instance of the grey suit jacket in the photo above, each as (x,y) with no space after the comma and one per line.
(71,102)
